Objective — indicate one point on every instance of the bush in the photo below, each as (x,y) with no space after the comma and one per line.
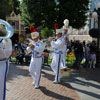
(45,32)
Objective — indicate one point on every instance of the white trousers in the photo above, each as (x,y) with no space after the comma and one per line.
(3,74)
(92,63)
(56,64)
(63,63)
(35,70)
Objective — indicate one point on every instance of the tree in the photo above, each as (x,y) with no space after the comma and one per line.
(47,12)
(25,14)
(6,6)
(45,32)
(4,9)
(38,12)
(14,4)
(75,11)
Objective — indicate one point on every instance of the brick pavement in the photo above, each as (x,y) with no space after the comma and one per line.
(19,86)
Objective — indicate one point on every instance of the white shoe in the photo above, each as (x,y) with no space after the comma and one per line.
(65,67)
(33,83)
(56,82)
(36,87)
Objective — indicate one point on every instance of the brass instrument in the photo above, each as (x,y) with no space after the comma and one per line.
(6,30)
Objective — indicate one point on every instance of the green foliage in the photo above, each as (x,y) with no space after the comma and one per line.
(75,11)
(4,9)
(14,4)
(24,13)
(46,12)
(45,32)
(6,6)
(39,12)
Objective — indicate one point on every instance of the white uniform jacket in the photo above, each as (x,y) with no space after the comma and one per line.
(58,45)
(5,49)
(37,52)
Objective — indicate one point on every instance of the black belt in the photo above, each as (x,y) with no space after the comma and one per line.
(3,59)
(38,56)
(59,52)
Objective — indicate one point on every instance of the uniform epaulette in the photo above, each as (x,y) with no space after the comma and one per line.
(6,40)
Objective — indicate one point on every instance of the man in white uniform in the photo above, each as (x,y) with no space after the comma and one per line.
(65,37)
(5,52)
(6,31)
(37,48)
(58,46)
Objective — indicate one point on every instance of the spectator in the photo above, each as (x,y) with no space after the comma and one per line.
(20,57)
(16,45)
(78,51)
(87,55)
(93,49)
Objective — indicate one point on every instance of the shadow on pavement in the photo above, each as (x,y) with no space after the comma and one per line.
(83,83)
(54,95)
(88,93)
(91,73)
(48,76)
(15,71)
(76,78)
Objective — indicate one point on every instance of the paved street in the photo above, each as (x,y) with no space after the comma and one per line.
(19,86)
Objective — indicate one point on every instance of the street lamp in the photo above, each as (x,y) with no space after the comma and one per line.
(97,15)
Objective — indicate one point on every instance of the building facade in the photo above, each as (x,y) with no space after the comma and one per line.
(19,28)
(93,7)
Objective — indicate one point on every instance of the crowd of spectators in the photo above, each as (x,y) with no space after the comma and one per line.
(86,51)
(82,51)
(22,55)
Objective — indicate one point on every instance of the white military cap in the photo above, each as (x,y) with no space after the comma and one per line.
(34,35)
(58,31)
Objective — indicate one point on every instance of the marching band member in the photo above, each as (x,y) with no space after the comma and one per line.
(58,46)
(65,37)
(5,51)
(37,48)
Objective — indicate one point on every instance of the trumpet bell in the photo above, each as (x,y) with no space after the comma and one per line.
(6,30)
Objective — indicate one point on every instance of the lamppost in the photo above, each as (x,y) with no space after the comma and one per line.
(97,15)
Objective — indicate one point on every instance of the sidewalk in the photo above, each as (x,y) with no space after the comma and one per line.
(86,83)
(19,86)
(78,87)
